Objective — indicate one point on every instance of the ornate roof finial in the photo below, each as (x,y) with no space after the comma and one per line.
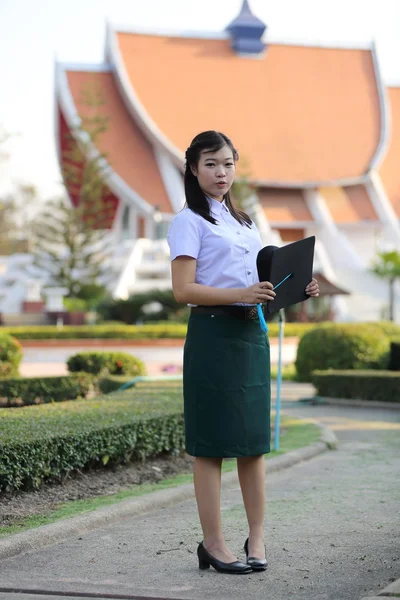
(246,32)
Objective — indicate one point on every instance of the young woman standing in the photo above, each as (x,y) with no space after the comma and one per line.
(226,375)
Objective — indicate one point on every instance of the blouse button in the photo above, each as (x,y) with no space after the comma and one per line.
(249,272)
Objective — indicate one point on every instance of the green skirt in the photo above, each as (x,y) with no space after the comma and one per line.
(226,387)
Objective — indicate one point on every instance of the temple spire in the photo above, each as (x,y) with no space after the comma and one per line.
(246,32)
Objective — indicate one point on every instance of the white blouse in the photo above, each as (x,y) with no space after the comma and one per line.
(225,254)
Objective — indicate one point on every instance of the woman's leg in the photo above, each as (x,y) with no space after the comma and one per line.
(207,484)
(251,471)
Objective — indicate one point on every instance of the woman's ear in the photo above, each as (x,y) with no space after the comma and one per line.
(194,170)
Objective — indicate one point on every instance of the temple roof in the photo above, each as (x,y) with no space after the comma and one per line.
(297,114)
(390,170)
(128,152)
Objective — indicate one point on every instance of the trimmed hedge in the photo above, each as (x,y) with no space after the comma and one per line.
(40,390)
(115,363)
(133,332)
(10,356)
(112,383)
(362,385)
(342,346)
(40,443)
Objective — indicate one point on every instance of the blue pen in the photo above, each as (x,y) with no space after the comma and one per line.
(263,323)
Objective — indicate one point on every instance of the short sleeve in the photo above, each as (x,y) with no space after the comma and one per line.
(184,235)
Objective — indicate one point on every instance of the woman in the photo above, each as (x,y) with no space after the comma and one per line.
(226,376)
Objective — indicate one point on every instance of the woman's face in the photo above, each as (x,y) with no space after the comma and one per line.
(215,172)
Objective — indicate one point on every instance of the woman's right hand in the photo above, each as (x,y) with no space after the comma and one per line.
(258,293)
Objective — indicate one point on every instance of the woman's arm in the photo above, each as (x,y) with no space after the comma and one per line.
(187,291)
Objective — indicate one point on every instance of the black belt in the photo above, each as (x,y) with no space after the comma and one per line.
(239,312)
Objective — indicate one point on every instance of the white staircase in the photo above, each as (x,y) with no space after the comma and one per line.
(147,267)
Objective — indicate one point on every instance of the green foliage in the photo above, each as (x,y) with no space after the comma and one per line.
(10,356)
(381,386)
(341,346)
(39,443)
(137,308)
(40,390)
(75,304)
(67,247)
(115,363)
(112,383)
(168,330)
(387,266)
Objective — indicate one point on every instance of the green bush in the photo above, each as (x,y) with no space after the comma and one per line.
(161,330)
(341,346)
(115,363)
(362,385)
(112,383)
(133,309)
(40,390)
(40,443)
(10,356)
(109,331)
(75,304)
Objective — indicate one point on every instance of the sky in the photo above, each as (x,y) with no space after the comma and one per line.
(33,33)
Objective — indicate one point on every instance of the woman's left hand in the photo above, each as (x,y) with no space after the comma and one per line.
(313,288)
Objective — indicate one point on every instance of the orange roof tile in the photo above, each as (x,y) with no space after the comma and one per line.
(284,205)
(349,205)
(390,169)
(128,152)
(296,114)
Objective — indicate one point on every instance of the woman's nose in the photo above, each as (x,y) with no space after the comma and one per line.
(221,172)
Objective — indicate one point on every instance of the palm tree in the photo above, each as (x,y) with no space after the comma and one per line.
(387,266)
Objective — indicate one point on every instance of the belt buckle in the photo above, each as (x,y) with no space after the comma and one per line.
(252,313)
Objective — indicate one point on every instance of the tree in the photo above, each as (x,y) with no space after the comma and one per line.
(242,189)
(14,219)
(71,243)
(68,249)
(387,266)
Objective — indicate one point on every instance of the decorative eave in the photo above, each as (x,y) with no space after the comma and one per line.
(66,102)
(133,105)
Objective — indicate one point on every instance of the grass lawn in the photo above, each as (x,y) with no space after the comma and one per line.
(295,434)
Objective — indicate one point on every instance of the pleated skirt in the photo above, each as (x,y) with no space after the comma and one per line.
(226,385)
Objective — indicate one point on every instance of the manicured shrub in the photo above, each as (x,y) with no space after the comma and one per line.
(381,386)
(39,443)
(115,363)
(10,356)
(40,390)
(112,383)
(164,330)
(341,346)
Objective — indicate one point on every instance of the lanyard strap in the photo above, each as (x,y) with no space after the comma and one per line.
(263,323)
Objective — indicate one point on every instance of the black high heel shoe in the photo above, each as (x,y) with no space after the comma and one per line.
(257,564)
(206,560)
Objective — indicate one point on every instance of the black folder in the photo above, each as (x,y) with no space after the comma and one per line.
(275,264)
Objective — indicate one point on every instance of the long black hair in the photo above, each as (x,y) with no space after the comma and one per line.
(196,200)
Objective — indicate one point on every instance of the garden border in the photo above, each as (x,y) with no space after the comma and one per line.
(48,535)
